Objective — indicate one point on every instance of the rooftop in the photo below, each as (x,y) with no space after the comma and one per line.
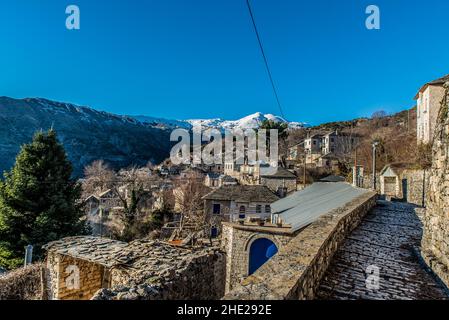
(93,249)
(281,173)
(437,82)
(242,194)
(304,207)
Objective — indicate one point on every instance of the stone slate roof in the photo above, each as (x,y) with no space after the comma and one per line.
(333,178)
(439,81)
(98,250)
(226,178)
(242,194)
(281,173)
(398,167)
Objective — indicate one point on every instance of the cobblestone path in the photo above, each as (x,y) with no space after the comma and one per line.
(385,239)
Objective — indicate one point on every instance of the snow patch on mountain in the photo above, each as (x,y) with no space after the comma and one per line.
(252,121)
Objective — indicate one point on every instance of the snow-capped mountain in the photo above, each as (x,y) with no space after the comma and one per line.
(88,134)
(252,121)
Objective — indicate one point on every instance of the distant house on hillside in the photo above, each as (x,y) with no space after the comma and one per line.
(338,142)
(282,181)
(231,203)
(296,152)
(428,102)
(312,144)
(216,180)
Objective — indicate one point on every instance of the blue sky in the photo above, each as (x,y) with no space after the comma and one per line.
(200,58)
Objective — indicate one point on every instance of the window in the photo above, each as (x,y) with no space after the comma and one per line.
(216,208)
(241,216)
(242,209)
(332,139)
(267,208)
(258,208)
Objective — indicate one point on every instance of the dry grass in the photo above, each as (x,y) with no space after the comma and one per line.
(21,284)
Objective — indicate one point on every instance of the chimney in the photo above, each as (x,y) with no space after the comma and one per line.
(282,192)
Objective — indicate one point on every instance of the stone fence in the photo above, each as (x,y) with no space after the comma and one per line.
(296,270)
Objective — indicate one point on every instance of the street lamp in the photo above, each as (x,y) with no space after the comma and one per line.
(375,144)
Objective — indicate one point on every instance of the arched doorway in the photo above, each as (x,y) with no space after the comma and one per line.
(261,251)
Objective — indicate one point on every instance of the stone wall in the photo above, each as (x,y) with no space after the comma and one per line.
(236,242)
(415,182)
(413,179)
(435,242)
(195,276)
(296,270)
(61,269)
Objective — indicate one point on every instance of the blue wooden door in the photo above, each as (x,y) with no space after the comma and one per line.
(260,252)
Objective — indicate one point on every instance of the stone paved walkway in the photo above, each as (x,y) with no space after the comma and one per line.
(385,239)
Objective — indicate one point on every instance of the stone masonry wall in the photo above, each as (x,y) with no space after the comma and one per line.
(236,242)
(59,271)
(296,270)
(179,276)
(416,182)
(435,242)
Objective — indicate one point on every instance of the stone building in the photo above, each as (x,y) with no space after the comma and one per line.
(249,246)
(403,181)
(80,268)
(216,180)
(428,102)
(282,181)
(313,144)
(435,242)
(231,203)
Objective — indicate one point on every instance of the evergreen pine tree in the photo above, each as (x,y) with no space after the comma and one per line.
(39,200)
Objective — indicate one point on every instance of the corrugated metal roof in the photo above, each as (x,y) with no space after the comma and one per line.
(305,206)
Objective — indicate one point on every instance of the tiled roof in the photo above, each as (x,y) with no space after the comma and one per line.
(242,194)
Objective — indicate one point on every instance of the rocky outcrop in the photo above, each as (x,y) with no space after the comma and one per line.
(435,242)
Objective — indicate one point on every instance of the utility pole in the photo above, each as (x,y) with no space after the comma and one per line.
(101,221)
(355,173)
(304,173)
(28,254)
(375,144)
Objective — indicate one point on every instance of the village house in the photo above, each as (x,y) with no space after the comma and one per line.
(216,180)
(295,152)
(312,144)
(233,203)
(428,102)
(403,181)
(84,267)
(338,143)
(281,182)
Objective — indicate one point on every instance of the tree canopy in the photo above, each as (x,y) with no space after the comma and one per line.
(39,200)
